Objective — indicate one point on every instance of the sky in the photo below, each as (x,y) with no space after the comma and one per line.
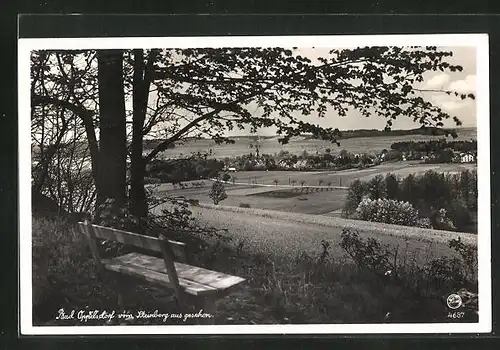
(464,81)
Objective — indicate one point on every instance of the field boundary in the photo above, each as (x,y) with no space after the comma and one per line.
(279,186)
(413,233)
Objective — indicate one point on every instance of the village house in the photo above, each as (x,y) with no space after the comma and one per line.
(467,158)
(464,157)
(301,164)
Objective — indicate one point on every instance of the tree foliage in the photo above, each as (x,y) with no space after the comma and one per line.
(446,201)
(218,192)
(180,94)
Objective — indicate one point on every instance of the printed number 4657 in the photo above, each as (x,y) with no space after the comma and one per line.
(456,315)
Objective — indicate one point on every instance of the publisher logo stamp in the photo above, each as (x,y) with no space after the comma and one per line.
(454,301)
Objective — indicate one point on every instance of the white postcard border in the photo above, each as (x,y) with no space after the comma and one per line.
(480,41)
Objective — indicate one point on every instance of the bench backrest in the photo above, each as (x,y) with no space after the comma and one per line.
(168,248)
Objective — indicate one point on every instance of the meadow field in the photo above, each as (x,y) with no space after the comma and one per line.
(258,189)
(298,145)
(288,234)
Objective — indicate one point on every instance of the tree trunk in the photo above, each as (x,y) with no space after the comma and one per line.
(141,82)
(112,128)
(138,200)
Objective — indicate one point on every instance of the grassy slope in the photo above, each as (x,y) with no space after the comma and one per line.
(287,288)
(288,234)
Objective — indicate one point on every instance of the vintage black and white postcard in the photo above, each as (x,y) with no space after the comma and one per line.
(255,185)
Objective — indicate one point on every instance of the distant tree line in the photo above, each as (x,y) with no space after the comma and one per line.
(434,146)
(178,170)
(347,134)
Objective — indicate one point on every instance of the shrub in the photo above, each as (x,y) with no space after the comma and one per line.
(473,190)
(369,253)
(388,211)
(111,216)
(60,260)
(174,220)
(442,221)
(218,192)
(424,223)
(226,177)
(244,205)
(433,280)
(393,155)
(366,254)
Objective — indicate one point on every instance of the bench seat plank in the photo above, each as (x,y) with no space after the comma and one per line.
(134,239)
(195,280)
(190,287)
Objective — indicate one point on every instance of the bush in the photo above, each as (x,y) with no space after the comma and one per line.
(244,205)
(388,211)
(110,215)
(442,221)
(175,221)
(452,272)
(434,280)
(226,177)
(424,223)
(61,261)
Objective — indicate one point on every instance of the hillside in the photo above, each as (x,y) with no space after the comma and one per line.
(343,135)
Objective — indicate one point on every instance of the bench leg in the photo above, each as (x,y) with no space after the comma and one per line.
(209,306)
(120,287)
(113,280)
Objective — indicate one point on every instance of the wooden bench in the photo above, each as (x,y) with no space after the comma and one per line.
(193,286)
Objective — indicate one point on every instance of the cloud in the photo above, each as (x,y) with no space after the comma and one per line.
(452,105)
(437,81)
(465,85)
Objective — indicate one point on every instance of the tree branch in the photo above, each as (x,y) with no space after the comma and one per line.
(47,100)
(86,117)
(164,145)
